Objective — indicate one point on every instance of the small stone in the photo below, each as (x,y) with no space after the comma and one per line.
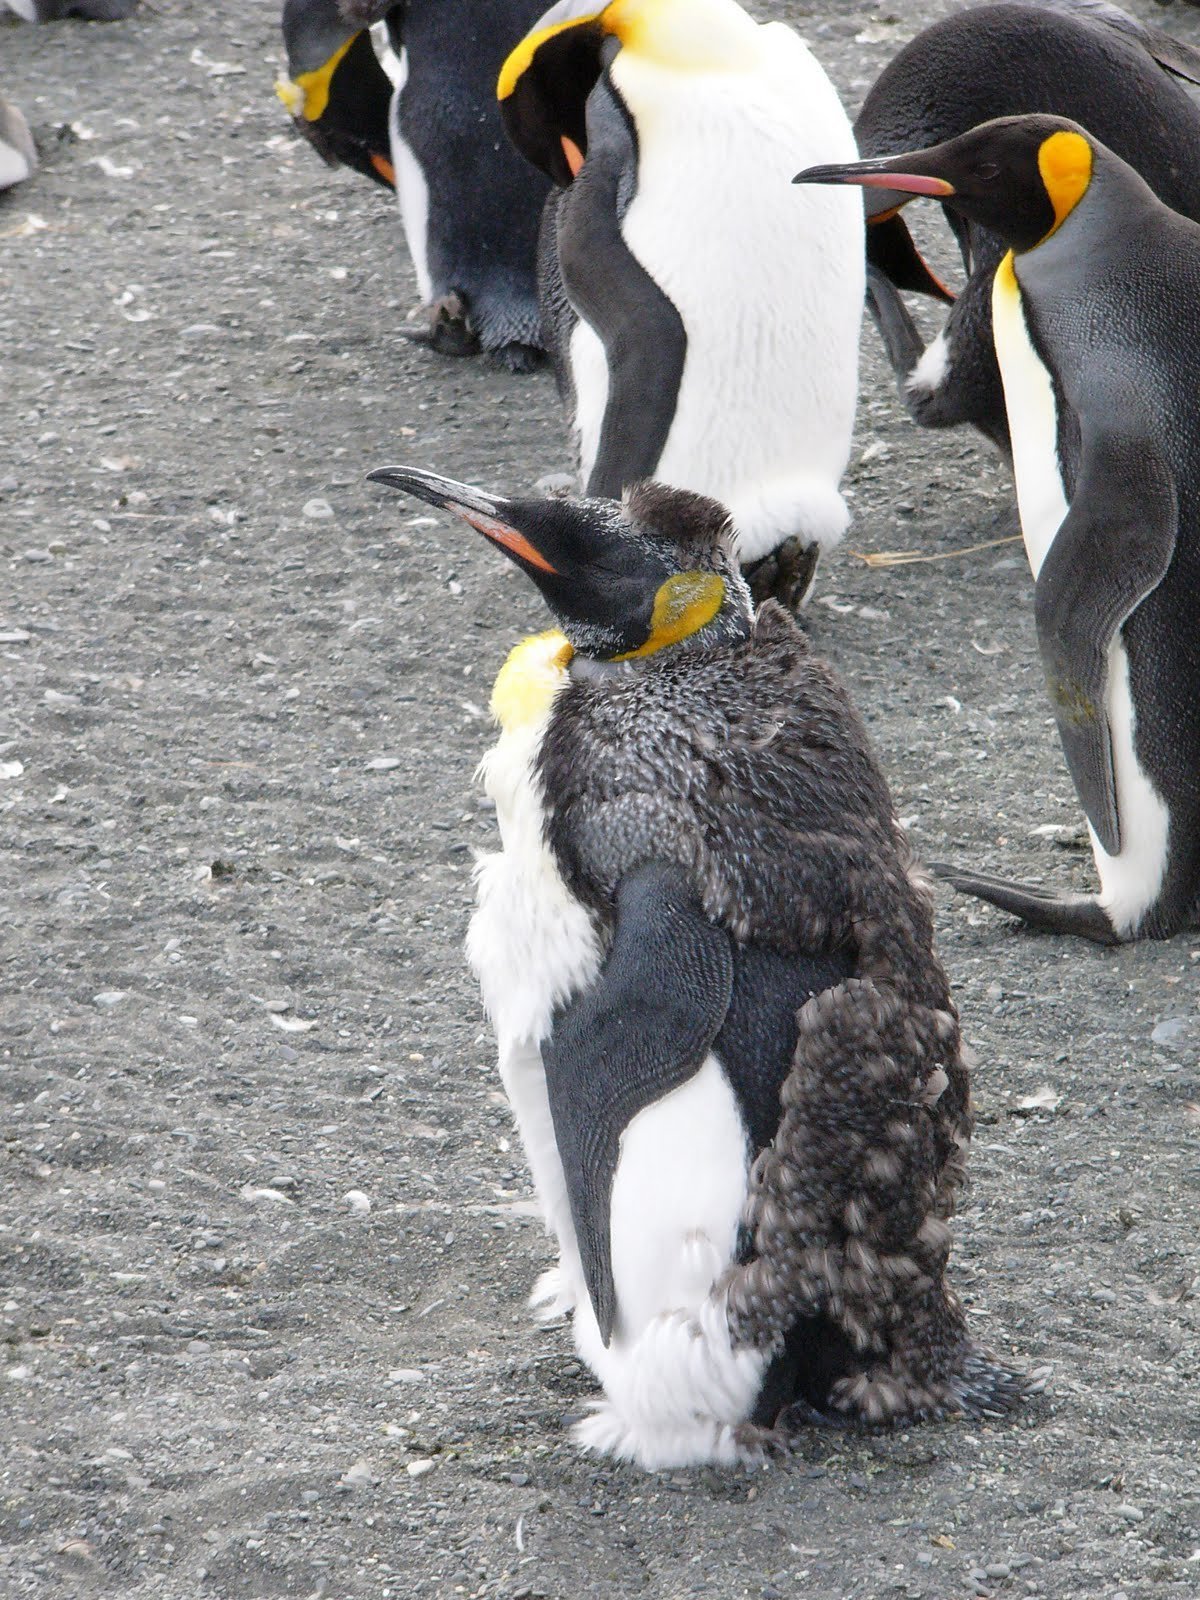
(997,1569)
(359,1476)
(1171,1031)
(418,1469)
(318,509)
(406,1375)
(309,1497)
(1130,1513)
(358,1202)
(109,997)
(383,764)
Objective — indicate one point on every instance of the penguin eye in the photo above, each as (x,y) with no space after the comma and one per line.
(986,171)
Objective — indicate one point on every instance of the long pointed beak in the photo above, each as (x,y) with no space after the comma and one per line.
(485,513)
(896,187)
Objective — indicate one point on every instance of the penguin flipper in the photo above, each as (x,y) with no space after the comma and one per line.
(891,249)
(1080,914)
(1112,550)
(642,1029)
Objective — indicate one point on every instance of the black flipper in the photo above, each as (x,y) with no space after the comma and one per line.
(890,247)
(1112,550)
(641,1030)
(642,332)
(1042,909)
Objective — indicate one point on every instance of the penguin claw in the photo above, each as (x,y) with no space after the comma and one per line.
(786,574)
(446,329)
(1042,909)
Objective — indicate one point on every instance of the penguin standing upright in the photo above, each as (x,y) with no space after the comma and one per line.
(704,328)
(469,205)
(731,1052)
(1131,85)
(18,156)
(1094,313)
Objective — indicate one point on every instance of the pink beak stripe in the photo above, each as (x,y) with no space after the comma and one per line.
(903,182)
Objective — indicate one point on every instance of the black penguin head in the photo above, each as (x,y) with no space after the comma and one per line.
(545,82)
(1020,177)
(336,91)
(625,579)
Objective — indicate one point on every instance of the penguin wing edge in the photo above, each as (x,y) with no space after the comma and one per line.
(642,1029)
(1112,550)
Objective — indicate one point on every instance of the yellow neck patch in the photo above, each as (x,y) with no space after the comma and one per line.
(534,672)
(682,606)
(307,95)
(1065,163)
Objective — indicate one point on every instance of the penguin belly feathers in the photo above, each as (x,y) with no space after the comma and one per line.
(18,154)
(703,323)
(731,1053)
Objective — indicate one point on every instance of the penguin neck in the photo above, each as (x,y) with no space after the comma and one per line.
(696,36)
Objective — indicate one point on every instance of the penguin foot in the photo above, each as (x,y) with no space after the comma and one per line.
(1043,909)
(518,358)
(786,574)
(447,328)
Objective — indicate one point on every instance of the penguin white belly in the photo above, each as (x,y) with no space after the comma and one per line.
(589,374)
(768,281)
(26,9)
(15,166)
(531,944)
(412,191)
(674,1387)
(1032,420)
(1130,881)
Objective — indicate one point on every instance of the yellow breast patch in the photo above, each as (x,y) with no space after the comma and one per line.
(525,686)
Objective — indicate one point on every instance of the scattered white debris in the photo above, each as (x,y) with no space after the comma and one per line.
(358,1202)
(110,169)
(359,1476)
(255,1194)
(290,1024)
(318,509)
(11,769)
(1043,1099)
(383,764)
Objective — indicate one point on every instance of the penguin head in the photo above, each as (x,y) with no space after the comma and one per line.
(624,579)
(337,93)
(1019,177)
(545,82)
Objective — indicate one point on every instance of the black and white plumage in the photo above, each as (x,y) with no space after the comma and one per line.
(469,205)
(703,325)
(730,1050)
(18,154)
(1131,85)
(82,10)
(1094,310)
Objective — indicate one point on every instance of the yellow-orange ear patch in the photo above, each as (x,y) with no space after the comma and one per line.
(682,606)
(1065,163)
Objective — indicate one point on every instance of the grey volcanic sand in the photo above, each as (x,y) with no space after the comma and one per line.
(236,879)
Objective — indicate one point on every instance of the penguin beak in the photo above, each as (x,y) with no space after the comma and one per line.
(486,514)
(894,180)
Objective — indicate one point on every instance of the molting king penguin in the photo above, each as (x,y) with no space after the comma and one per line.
(704,330)
(1094,312)
(1129,84)
(18,156)
(470,207)
(731,1051)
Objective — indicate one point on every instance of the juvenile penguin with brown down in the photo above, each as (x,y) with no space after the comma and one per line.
(730,1049)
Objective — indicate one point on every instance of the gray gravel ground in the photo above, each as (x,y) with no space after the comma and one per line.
(265,1235)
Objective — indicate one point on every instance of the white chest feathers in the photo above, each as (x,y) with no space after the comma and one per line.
(1032,419)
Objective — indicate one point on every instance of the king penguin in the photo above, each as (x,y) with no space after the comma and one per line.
(18,156)
(470,207)
(82,10)
(731,1051)
(1094,311)
(1131,85)
(704,330)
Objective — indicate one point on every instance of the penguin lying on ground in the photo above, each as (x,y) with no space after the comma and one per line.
(18,157)
(704,329)
(1095,310)
(85,10)
(1081,59)
(469,205)
(730,1049)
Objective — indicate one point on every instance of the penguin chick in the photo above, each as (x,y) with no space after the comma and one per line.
(468,204)
(18,156)
(1130,84)
(731,1051)
(1093,309)
(704,330)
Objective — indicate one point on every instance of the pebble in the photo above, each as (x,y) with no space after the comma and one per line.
(109,997)
(418,1469)
(318,509)
(358,1202)
(383,764)
(1170,1031)
(997,1569)
(9,485)
(359,1476)
(406,1375)
(1130,1513)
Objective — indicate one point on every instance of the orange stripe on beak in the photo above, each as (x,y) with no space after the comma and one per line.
(508,538)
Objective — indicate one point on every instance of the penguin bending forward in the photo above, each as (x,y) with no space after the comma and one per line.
(1094,312)
(470,207)
(704,328)
(731,1051)
(1131,85)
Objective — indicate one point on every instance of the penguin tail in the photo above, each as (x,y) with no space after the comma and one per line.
(1042,909)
